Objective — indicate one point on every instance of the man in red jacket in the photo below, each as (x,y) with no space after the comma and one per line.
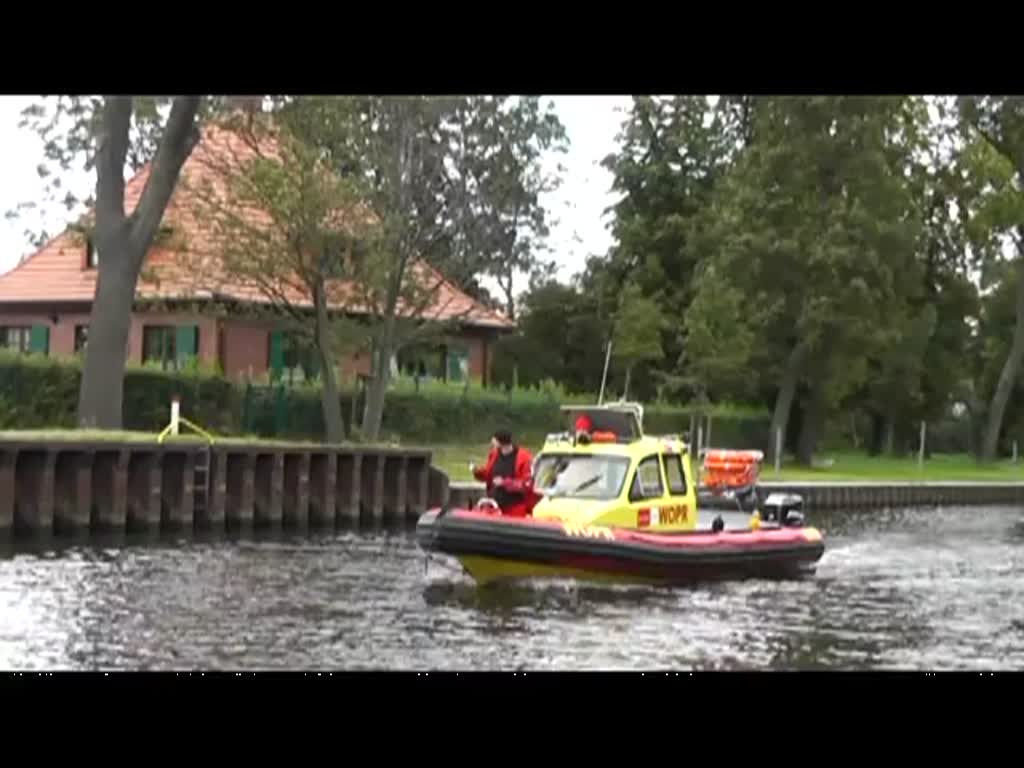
(509,476)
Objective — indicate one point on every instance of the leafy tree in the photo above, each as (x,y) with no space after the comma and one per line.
(112,134)
(673,152)
(813,228)
(287,227)
(418,162)
(719,342)
(500,152)
(559,337)
(995,133)
(918,370)
(637,334)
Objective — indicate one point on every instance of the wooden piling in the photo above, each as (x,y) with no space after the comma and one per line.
(323,471)
(240,505)
(7,489)
(350,476)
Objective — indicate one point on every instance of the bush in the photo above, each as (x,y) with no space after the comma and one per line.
(39,392)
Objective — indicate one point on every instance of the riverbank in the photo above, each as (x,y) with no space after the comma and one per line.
(65,480)
(453,459)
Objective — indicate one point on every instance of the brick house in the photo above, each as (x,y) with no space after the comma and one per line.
(45,301)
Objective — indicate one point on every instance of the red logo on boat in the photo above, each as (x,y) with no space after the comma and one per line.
(643,518)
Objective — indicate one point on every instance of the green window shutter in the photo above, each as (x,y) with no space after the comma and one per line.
(276,354)
(186,342)
(39,339)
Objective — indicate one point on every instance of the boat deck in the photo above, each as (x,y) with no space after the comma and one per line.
(734,520)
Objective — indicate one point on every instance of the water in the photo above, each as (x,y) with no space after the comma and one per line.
(901,589)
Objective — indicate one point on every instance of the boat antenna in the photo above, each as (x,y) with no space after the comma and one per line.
(604,376)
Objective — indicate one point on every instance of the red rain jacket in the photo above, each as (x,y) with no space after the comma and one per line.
(520,484)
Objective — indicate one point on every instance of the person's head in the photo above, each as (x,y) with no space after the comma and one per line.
(502,441)
(582,429)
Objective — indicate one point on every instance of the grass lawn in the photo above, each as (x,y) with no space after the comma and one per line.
(126,436)
(853,466)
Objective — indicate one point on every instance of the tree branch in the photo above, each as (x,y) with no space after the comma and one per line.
(1000,146)
(180,137)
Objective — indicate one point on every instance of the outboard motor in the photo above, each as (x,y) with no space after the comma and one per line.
(785,508)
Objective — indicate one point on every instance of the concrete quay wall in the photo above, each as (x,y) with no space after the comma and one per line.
(59,486)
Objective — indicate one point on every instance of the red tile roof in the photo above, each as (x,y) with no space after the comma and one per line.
(183,264)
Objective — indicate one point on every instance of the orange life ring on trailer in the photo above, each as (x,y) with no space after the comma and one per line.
(730,469)
(722,455)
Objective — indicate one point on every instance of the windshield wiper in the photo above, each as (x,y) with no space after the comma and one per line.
(586,484)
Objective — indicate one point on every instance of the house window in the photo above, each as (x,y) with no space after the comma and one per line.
(158,345)
(18,338)
(457,363)
(92,255)
(170,346)
(292,357)
(81,337)
(422,360)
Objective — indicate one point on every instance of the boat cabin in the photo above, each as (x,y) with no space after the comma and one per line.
(615,423)
(626,479)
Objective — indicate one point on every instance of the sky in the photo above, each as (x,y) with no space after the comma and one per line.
(591,123)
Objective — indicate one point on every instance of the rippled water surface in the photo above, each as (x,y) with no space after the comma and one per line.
(913,589)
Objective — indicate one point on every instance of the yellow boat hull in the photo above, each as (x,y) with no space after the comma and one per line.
(490,570)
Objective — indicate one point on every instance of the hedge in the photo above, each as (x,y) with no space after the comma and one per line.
(37,392)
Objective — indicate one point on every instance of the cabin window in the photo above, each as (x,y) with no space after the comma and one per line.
(580,476)
(647,481)
(675,475)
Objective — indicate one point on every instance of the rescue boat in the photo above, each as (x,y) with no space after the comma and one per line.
(616,504)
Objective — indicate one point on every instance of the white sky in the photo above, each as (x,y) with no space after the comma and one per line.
(591,122)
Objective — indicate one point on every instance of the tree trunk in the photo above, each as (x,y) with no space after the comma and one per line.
(333,424)
(101,393)
(787,391)
(1008,375)
(122,245)
(876,441)
(625,388)
(810,429)
(510,299)
(376,393)
(889,435)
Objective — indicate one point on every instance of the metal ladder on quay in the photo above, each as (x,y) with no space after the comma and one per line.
(201,482)
(201,462)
